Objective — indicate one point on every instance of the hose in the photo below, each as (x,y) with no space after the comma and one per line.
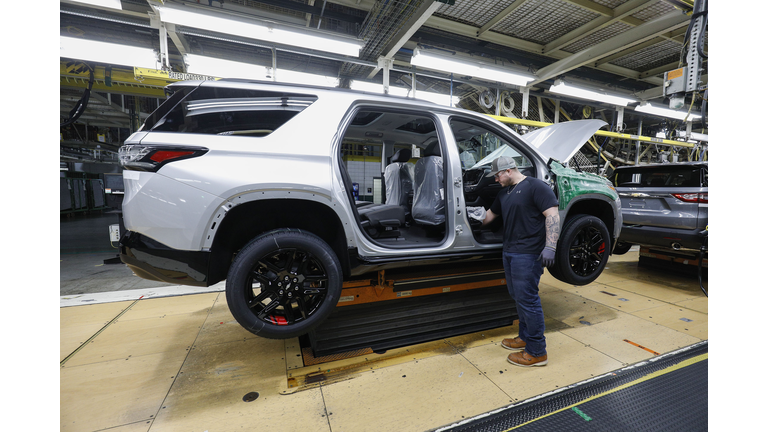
(82,104)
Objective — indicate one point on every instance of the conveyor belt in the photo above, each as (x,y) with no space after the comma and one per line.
(666,393)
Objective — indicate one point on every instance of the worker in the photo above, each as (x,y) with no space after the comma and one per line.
(528,208)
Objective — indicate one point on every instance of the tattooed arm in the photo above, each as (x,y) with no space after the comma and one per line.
(552,224)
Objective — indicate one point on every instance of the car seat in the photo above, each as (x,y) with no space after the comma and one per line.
(398,179)
(429,194)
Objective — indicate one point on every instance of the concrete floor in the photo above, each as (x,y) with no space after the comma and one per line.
(169,362)
(84,246)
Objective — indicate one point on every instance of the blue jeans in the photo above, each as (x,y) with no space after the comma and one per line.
(523,272)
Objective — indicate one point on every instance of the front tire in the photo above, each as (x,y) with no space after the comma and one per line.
(583,251)
(283,284)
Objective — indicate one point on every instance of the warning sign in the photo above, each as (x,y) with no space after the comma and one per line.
(143,73)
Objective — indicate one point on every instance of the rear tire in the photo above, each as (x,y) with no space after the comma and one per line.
(283,284)
(582,250)
(622,248)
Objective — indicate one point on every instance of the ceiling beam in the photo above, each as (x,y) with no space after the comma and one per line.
(414,23)
(592,7)
(417,19)
(503,14)
(619,14)
(675,35)
(523,45)
(661,69)
(639,34)
(658,92)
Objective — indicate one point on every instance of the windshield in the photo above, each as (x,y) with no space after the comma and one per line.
(504,150)
(476,143)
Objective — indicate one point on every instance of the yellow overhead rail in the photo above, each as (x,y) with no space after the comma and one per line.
(114,80)
(659,141)
(123,80)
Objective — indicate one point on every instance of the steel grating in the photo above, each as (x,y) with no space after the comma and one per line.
(471,12)
(381,24)
(654,11)
(651,57)
(599,36)
(552,18)
(613,4)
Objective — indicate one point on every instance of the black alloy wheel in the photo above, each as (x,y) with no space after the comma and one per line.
(283,284)
(583,250)
(586,252)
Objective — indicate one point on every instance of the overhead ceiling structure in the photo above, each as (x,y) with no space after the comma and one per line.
(621,47)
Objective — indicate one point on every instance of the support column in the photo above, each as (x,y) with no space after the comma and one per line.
(524,108)
(637,143)
(385,64)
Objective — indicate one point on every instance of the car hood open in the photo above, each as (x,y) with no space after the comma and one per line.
(562,140)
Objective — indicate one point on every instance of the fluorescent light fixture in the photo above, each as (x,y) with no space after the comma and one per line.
(103,52)
(440,99)
(109,4)
(470,67)
(268,32)
(202,65)
(293,77)
(221,68)
(665,112)
(561,87)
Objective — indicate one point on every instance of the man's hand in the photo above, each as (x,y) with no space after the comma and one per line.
(547,257)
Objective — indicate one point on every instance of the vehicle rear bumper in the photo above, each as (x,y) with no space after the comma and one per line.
(152,260)
(662,237)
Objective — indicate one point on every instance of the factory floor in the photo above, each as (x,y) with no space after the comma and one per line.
(150,357)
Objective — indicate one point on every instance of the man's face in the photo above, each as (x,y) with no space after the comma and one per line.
(503,178)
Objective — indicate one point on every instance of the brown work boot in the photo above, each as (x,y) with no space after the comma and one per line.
(513,344)
(522,358)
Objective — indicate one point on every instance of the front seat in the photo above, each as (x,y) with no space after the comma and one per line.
(398,178)
(428,193)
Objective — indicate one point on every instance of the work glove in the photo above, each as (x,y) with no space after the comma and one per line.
(547,257)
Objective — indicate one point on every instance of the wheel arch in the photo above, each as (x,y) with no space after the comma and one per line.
(596,205)
(245,221)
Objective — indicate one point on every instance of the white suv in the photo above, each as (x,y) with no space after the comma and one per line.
(259,184)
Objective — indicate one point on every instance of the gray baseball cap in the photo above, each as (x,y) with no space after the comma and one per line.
(501,163)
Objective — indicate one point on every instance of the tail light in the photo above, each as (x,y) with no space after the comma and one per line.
(701,198)
(151,158)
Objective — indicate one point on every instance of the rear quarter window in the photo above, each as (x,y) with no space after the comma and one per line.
(226,111)
(669,176)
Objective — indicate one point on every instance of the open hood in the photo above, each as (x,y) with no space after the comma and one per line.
(562,140)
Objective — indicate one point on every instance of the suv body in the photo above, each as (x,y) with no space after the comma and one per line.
(664,206)
(254,183)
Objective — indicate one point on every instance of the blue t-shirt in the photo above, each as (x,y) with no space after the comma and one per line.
(521,207)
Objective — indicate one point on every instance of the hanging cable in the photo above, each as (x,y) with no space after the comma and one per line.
(82,104)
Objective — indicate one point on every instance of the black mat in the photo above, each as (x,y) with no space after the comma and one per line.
(674,399)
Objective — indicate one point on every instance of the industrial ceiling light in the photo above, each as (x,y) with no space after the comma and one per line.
(293,77)
(665,112)
(109,53)
(202,65)
(264,31)
(109,4)
(561,87)
(438,98)
(467,67)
